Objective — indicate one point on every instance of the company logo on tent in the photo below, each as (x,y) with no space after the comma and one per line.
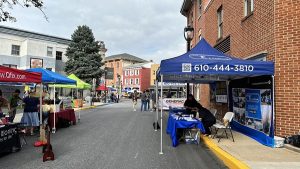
(186,67)
(209,57)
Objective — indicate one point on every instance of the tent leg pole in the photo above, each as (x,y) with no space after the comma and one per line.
(54,125)
(227,86)
(156,104)
(161,112)
(41,114)
(273,103)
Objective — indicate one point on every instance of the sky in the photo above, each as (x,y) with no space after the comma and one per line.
(149,29)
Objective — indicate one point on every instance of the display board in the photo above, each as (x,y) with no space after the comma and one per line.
(253,108)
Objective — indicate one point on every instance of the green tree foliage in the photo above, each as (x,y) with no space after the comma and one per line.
(5,5)
(83,55)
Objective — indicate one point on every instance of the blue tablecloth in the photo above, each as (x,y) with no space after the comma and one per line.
(173,124)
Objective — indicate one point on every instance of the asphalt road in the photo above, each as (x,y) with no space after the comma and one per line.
(112,137)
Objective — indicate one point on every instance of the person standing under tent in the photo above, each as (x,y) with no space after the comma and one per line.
(13,104)
(134,97)
(143,101)
(3,102)
(191,105)
(30,117)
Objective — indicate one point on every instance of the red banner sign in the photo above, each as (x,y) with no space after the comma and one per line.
(15,75)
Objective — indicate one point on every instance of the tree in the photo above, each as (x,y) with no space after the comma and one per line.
(8,4)
(83,55)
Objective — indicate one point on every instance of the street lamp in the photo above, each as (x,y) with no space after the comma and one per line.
(188,36)
(105,72)
(119,85)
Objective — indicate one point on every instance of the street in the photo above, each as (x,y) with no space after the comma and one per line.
(112,137)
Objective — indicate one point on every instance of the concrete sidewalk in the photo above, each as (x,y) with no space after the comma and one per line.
(248,153)
(86,106)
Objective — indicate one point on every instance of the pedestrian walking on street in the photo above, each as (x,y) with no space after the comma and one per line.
(134,98)
(148,97)
(143,101)
(153,100)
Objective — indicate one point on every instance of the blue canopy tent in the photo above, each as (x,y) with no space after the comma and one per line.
(49,77)
(205,64)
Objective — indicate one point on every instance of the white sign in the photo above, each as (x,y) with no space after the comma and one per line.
(221,98)
(171,102)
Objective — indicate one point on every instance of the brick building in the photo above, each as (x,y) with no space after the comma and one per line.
(257,30)
(154,68)
(137,76)
(118,62)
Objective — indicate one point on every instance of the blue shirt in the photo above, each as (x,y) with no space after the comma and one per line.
(31,104)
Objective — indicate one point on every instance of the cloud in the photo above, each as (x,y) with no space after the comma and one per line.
(150,29)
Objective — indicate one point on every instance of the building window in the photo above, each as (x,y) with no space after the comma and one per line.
(49,51)
(15,50)
(137,81)
(117,64)
(220,22)
(58,55)
(131,72)
(126,73)
(125,81)
(154,81)
(49,68)
(154,72)
(131,81)
(10,65)
(248,7)
(200,7)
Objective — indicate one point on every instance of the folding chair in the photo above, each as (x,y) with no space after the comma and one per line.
(225,126)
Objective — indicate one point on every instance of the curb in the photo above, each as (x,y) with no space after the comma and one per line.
(229,160)
(292,148)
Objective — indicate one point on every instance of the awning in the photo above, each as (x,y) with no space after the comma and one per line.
(205,64)
(52,77)
(80,84)
(18,76)
(101,88)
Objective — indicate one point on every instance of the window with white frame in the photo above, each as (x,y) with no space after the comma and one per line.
(137,81)
(15,49)
(49,51)
(220,22)
(137,72)
(131,72)
(126,81)
(131,81)
(126,73)
(248,7)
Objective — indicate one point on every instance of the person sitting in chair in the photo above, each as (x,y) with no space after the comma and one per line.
(191,105)
(207,118)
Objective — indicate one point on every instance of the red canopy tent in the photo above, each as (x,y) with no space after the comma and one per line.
(102,88)
(19,76)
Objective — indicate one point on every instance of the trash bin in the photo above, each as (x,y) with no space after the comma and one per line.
(88,100)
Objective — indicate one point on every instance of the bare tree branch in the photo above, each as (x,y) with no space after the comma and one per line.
(8,4)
